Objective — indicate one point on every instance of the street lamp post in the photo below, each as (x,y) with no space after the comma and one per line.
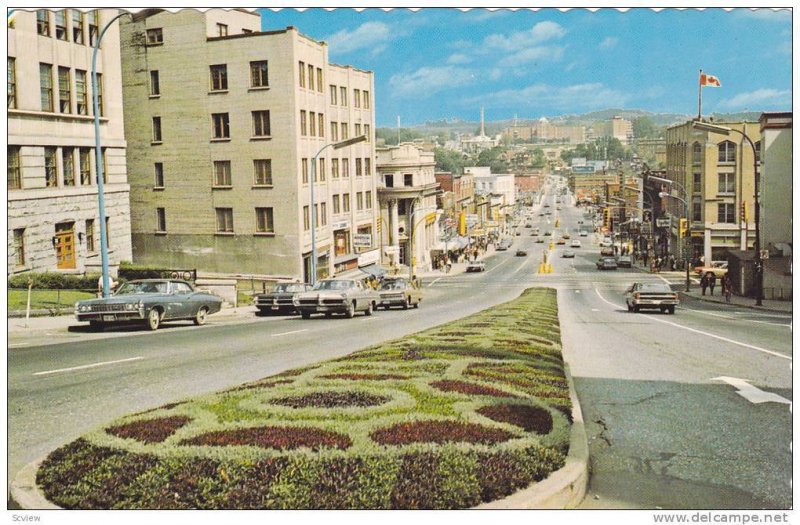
(685,248)
(334,145)
(703,126)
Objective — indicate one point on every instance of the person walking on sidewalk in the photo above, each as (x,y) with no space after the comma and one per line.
(725,282)
(712,282)
(704,283)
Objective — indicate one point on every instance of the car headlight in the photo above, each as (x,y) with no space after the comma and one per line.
(130,306)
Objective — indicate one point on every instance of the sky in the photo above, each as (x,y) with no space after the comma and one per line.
(445,63)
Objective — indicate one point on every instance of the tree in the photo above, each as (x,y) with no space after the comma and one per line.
(644,127)
(449,160)
(491,158)
(390,135)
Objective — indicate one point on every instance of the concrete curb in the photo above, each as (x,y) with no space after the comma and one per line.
(566,487)
(26,492)
(703,298)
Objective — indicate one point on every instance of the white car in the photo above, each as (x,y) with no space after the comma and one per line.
(583,233)
(575,243)
(476,266)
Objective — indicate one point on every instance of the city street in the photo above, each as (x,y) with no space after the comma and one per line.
(667,428)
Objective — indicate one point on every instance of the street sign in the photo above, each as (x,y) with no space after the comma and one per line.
(472,220)
(391,250)
(362,240)
(663,222)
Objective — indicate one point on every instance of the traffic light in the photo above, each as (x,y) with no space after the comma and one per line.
(743,213)
(683,226)
(606,217)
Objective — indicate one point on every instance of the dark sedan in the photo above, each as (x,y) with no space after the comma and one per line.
(607,263)
(150,301)
(281,299)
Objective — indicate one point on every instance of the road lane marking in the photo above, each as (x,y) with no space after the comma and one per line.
(434,282)
(497,266)
(83,367)
(751,393)
(736,318)
(757,348)
(292,332)
(18,344)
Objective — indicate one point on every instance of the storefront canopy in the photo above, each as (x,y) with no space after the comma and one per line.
(373,269)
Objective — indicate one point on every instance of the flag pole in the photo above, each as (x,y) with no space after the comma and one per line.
(700,96)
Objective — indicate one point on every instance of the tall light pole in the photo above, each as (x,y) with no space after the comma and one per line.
(334,145)
(723,130)
(684,247)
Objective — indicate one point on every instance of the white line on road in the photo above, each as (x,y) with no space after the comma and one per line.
(736,318)
(292,332)
(757,348)
(497,266)
(751,393)
(434,282)
(82,367)
(18,344)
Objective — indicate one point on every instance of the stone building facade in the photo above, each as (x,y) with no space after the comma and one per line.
(53,219)
(228,122)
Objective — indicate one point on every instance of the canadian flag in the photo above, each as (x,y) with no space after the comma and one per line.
(709,80)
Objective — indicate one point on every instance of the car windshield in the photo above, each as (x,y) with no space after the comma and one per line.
(655,288)
(334,285)
(393,285)
(289,287)
(135,287)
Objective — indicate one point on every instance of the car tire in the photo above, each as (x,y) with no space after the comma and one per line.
(671,310)
(350,311)
(406,304)
(328,315)
(368,311)
(305,315)
(201,316)
(153,319)
(635,309)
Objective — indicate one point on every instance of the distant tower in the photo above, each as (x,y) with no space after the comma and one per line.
(482,130)
(515,120)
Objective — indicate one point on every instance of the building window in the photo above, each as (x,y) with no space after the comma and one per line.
(319,174)
(261,124)
(365,99)
(219,77)
(100,93)
(263,172)
(726,213)
(304,169)
(323,213)
(333,95)
(259,74)
(105,164)
(697,184)
(264,222)
(388,180)
(156,129)
(366,132)
(19,246)
(43,22)
(346,202)
(337,205)
(758,151)
(50,167)
(46,86)
(68,164)
(727,152)
(77,26)
(359,201)
(697,211)
(222,30)
(61,24)
(14,174)
(81,93)
(321,124)
(108,232)
(90,235)
(357,130)
(94,26)
(64,90)
(343,95)
(155,85)
(161,220)
(311,77)
(312,118)
(335,168)
(306,218)
(303,123)
(302,77)
(320,83)
(345,131)
(408,179)
(85,165)
(12,83)
(158,169)
(368,198)
(697,153)
(727,184)
(356,98)
(224,220)
(316,215)
(155,36)
(335,131)
(222,173)
(221,126)
(345,168)
(367,167)
(359,170)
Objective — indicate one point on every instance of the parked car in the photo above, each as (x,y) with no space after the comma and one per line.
(606,243)
(476,266)
(281,299)
(398,291)
(561,241)
(606,251)
(606,263)
(331,296)
(575,243)
(624,261)
(717,268)
(568,254)
(149,301)
(521,253)
(518,233)
(565,235)
(539,239)
(651,295)
(583,233)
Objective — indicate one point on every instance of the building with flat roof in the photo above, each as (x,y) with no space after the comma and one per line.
(227,125)
(53,217)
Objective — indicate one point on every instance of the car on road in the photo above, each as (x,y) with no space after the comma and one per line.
(651,295)
(399,291)
(281,299)
(606,263)
(561,241)
(606,251)
(518,233)
(568,254)
(565,235)
(539,240)
(624,261)
(575,243)
(476,266)
(716,268)
(331,296)
(606,243)
(149,301)
(521,253)
(583,233)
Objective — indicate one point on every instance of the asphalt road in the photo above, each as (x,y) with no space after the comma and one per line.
(663,432)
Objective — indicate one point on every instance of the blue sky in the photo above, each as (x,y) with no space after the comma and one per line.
(445,63)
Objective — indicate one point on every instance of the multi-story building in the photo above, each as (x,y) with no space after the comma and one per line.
(461,186)
(652,151)
(53,218)
(408,214)
(500,194)
(714,176)
(617,127)
(228,122)
(543,131)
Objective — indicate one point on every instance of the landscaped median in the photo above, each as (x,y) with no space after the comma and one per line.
(460,414)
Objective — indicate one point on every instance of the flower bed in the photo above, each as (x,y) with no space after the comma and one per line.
(449,417)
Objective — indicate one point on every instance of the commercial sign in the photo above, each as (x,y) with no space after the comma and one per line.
(362,240)
(582,169)
(370,257)
(663,222)
(391,250)
(472,220)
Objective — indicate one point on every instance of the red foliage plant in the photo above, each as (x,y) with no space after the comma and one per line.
(149,430)
(365,377)
(532,419)
(463,387)
(273,437)
(332,400)
(439,432)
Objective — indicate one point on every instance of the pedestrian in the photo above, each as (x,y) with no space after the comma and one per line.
(712,282)
(704,283)
(672,263)
(727,287)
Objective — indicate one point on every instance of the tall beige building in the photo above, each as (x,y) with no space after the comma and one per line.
(228,120)
(53,219)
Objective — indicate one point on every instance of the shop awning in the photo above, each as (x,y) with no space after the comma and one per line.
(373,269)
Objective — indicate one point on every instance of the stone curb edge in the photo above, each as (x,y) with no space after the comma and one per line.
(751,307)
(566,487)
(25,491)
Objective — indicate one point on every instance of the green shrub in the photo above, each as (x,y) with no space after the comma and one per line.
(54,281)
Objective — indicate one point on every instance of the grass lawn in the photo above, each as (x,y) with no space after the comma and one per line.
(43,299)
(450,417)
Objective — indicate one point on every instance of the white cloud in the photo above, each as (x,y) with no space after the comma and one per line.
(367,35)
(764,98)
(532,54)
(609,42)
(767,14)
(459,58)
(524,39)
(589,96)
(429,80)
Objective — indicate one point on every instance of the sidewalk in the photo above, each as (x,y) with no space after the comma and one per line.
(456,268)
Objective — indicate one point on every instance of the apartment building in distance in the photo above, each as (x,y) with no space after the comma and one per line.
(228,121)
(53,218)
(616,127)
(544,132)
